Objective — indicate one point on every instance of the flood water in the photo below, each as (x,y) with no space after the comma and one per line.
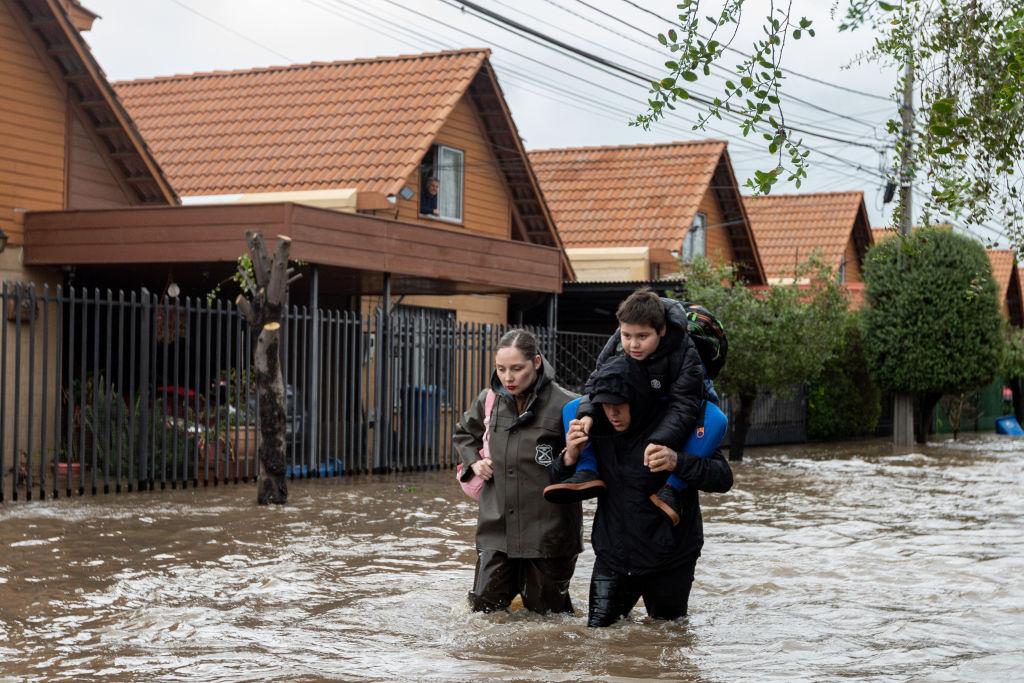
(823,563)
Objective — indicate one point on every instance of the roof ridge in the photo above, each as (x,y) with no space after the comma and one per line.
(484,51)
(642,145)
(805,194)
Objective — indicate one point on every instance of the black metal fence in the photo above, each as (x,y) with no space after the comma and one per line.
(108,392)
(778,416)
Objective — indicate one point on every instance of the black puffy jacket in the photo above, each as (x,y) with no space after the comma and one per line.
(630,534)
(675,375)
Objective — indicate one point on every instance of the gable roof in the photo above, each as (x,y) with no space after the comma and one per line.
(642,195)
(362,124)
(789,227)
(89,88)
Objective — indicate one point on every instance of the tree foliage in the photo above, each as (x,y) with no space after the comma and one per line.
(968,60)
(778,336)
(933,325)
(844,400)
(1012,365)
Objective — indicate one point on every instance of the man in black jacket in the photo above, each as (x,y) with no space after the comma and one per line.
(654,332)
(639,552)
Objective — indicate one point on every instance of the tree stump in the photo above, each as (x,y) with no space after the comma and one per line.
(263,309)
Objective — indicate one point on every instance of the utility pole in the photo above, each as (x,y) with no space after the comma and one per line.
(903,404)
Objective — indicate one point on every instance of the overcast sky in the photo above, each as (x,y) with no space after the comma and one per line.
(556,102)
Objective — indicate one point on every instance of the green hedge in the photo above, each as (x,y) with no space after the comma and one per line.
(844,401)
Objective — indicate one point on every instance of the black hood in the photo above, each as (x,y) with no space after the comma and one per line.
(623,376)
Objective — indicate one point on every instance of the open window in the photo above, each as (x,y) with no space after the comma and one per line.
(442,175)
(696,240)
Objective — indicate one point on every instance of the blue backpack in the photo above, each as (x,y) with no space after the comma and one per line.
(710,431)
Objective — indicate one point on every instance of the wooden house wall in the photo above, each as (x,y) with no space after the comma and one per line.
(33,124)
(487,209)
(718,245)
(853,273)
(486,202)
(92,184)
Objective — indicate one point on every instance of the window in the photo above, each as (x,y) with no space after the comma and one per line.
(695,242)
(842,270)
(441,183)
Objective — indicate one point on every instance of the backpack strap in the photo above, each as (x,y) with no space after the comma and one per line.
(488,419)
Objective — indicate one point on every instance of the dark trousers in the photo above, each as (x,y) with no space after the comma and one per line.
(613,595)
(543,582)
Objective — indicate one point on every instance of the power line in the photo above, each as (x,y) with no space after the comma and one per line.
(526,78)
(523,79)
(232,31)
(718,67)
(617,70)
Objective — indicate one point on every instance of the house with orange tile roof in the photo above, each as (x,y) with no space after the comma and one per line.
(369,137)
(791,228)
(1008,284)
(631,212)
(66,144)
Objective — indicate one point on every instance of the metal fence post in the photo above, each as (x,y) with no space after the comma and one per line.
(144,392)
(313,383)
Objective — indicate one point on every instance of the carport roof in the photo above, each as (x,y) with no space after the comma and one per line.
(421,259)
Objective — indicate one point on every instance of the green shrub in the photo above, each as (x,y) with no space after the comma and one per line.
(932,326)
(844,401)
(778,336)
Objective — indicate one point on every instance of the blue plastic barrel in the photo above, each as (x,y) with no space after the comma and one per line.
(1007,424)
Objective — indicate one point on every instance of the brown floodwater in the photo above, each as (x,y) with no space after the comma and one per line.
(823,563)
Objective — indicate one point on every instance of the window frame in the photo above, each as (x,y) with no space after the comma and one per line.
(688,239)
(436,148)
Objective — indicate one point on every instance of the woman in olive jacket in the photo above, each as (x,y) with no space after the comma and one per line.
(526,545)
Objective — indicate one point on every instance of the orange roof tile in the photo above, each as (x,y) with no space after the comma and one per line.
(1004,262)
(790,227)
(363,123)
(879,234)
(626,196)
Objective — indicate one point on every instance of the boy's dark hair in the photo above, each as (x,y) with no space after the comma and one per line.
(520,339)
(642,307)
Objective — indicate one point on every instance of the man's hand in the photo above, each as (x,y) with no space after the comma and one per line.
(585,422)
(575,441)
(660,458)
(484,469)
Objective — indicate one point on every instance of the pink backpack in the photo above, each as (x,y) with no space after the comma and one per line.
(472,487)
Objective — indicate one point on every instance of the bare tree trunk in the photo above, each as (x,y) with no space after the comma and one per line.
(273,486)
(741,425)
(263,310)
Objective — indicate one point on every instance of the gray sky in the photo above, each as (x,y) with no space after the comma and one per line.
(556,102)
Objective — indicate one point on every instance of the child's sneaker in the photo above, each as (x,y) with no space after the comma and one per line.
(580,486)
(667,500)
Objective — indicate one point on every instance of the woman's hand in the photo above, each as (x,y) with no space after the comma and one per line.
(660,458)
(484,469)
(575,441)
